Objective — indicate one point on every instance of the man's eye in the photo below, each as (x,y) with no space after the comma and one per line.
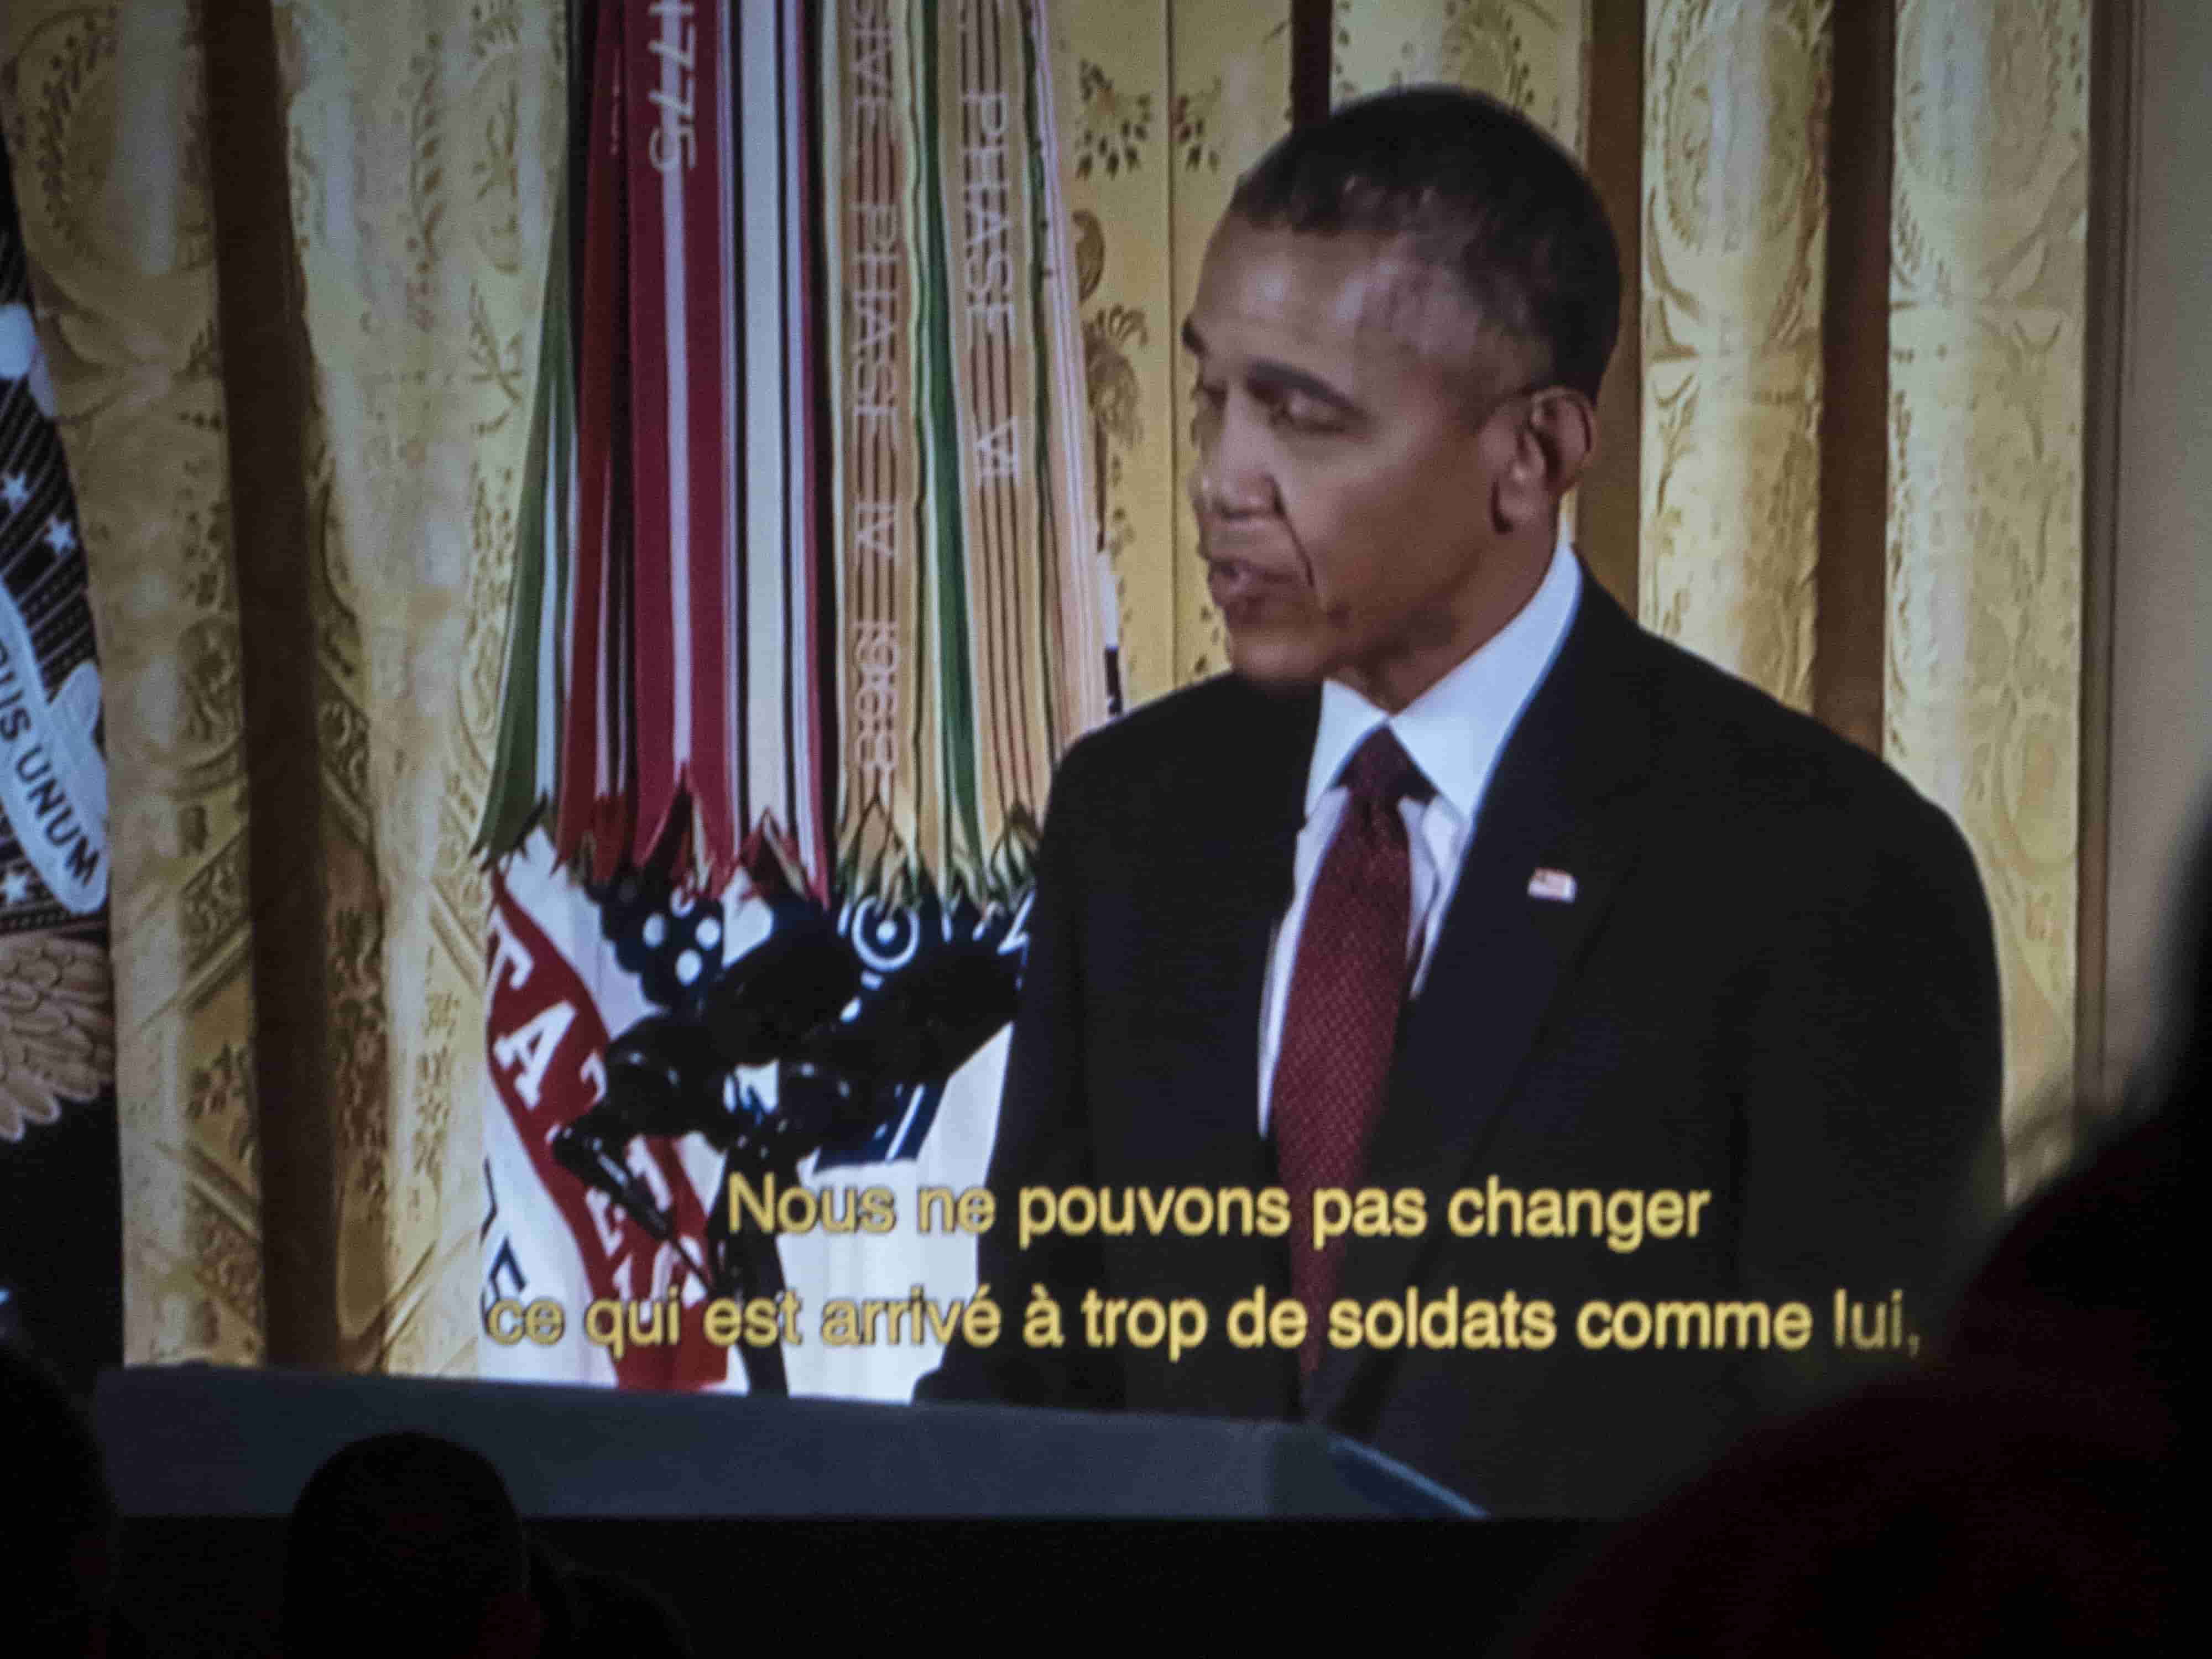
(1295,413)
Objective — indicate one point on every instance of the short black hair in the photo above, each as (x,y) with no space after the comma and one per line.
(1482,193)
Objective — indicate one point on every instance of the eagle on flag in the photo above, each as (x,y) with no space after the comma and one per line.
(57,1029)
(60,1216)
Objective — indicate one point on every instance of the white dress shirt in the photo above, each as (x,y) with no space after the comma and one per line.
(1453,732)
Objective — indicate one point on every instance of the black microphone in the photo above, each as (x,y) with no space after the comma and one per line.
(924,1026)
(762,1006)
(585,1151)
(663,1078)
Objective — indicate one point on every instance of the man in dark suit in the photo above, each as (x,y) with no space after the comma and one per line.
(1631,997)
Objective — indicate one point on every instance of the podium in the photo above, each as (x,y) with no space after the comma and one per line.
(211,1441)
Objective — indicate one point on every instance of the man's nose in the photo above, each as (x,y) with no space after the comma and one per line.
(1230,478)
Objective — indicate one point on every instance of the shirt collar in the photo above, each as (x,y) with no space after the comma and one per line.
(1454,730)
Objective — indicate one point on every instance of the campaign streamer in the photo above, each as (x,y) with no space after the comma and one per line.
(806,608)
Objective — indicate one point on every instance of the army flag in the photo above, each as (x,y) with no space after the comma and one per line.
(809,600)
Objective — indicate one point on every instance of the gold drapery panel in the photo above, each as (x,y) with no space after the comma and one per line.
(424,149)
(1533,54)
(1109,73)
(1735,102)
(1161,105)
(1983,693)
(1229,98)
(418,148)
(106,126)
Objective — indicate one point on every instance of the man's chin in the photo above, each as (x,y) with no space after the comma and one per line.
(1274,665)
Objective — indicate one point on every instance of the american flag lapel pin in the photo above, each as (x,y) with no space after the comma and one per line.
(1554,885)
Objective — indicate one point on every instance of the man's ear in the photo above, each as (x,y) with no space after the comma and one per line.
(1551,446)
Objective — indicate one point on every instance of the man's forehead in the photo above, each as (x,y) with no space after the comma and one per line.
(1369,290)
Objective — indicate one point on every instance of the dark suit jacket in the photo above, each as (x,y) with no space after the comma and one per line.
(1776,982)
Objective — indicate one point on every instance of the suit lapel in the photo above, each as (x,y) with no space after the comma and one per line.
(1229,883)
(1562,800)
(1220,894)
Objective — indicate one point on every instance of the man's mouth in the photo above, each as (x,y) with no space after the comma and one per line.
(1238,586)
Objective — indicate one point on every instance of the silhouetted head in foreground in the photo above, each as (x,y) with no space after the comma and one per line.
(2022,1490)
(407,1544)
(57,1517)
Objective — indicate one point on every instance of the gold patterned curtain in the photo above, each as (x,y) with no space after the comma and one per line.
(117,223)
(1162,104)
(1982,677)
(289,259)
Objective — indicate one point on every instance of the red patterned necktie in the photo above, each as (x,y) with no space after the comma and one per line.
(1340,1028)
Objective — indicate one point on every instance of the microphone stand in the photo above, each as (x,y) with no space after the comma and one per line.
(812,1104)
(674,1074)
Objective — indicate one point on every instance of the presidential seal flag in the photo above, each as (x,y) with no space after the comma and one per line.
(60,1221)
(809,599)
